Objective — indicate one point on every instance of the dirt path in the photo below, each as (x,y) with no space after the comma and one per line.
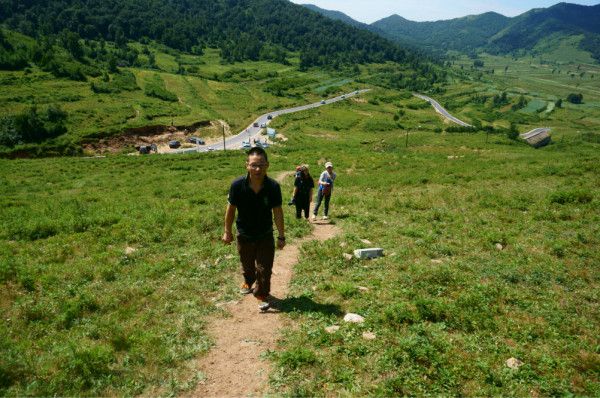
(234,366)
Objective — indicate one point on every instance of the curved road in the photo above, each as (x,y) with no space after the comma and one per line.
(251,132)
(440,109)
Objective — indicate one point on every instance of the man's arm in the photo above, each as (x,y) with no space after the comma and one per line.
(229,216)
(278,217)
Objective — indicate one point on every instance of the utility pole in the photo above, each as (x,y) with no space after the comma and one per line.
(223,131)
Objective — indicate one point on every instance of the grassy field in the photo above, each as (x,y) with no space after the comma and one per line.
(491,253)
(208,90)
(110,267)
(538,80)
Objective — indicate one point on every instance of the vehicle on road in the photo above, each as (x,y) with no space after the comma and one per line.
(322,102)
(174,144)
(246,145)
(196,140)
(269,117)
(263,125)
(343,97)
(255,124)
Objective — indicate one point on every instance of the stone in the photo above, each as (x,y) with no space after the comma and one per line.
(332,329)
(366,241)
(369,336)
(353,318)
(514,363)
(436,261)
(363,289)
(130,250)
(372,252)
(348,256)
(343,244)
(499,246)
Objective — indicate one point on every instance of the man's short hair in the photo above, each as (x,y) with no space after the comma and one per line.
(256,150)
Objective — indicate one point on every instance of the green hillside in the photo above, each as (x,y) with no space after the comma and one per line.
(111,267)
(242,30)
(103,89)
(463,34)
(495,33)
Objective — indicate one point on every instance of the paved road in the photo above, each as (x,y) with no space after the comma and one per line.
(534,132)
(440,109)
(251,132)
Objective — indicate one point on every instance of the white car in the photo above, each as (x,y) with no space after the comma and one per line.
(246,145)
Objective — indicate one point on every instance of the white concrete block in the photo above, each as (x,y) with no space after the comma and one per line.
(372,252)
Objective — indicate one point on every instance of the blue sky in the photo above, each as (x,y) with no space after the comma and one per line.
(369,11)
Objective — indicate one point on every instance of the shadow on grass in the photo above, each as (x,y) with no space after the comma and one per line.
(304,304)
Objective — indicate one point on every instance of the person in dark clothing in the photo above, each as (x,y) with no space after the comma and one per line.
(303,187)
(257,199)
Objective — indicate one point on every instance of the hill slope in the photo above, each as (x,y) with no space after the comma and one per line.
(461,34)
(526,30)
(243,30)
(499,34)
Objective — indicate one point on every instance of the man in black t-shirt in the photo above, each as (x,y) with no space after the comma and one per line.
(257,199)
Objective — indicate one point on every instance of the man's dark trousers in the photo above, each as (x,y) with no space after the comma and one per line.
(257,258)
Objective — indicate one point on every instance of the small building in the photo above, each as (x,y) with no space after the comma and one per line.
(537,138)
(271,133)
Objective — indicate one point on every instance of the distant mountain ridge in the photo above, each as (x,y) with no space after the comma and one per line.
(491,31)
(461,34)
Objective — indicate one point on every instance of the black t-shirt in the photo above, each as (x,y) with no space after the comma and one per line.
(304,186)
(255,215)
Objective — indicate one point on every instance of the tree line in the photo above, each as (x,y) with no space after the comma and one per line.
(242,29)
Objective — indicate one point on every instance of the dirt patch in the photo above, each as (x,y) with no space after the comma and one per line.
(235,367)
(160,135)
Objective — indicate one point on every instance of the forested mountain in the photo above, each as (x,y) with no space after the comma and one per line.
(242,29)
(499,34)
(526,30)
(339,16)
(461,34)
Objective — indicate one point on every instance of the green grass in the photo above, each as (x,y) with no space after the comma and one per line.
(111,267)
(213,92)
(447,306)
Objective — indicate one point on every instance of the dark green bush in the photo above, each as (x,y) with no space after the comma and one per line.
(32,126)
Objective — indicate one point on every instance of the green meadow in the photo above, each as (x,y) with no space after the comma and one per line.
(111,267)
(540,80)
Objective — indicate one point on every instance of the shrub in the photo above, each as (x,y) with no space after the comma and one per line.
(122,81)
(575,98)
(32,126)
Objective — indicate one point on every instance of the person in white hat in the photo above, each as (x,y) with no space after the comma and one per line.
(325,189)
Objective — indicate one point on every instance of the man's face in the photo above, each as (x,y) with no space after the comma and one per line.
(330,169)
(257,165)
